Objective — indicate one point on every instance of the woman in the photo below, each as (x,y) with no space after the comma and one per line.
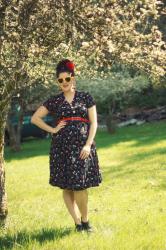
(74,165)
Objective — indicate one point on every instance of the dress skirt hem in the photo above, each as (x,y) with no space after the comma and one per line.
(75,188)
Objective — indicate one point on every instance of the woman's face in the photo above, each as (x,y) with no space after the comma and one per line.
(66,86)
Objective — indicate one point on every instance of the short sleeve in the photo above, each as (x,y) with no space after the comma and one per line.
(89,100)
(50,104)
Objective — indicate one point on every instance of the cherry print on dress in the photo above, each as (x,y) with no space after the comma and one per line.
(67,169)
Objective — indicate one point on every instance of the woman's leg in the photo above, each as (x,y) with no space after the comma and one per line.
(68,196)
(81,198)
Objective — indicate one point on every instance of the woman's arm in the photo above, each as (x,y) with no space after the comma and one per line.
(92,113)
(38,121)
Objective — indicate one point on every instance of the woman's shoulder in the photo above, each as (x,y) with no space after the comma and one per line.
(88,98)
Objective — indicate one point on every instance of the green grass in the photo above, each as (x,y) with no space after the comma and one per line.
(128,210)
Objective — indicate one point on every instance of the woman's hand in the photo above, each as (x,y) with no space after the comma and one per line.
(85,152)
(58,127)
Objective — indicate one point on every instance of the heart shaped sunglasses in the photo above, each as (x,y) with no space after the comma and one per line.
(67,79)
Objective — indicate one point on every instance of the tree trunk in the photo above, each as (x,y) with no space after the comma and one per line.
(14,124)
(14,134)
(110,123)
(3,195)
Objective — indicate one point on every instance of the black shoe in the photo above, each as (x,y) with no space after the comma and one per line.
(86,226)
(78,227)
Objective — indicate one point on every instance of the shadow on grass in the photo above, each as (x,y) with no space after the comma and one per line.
(143,135)
(29,148)
(146,134)
(120,170)
(24,237)
(162,184)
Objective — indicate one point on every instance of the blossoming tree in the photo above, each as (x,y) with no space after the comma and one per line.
(98,32)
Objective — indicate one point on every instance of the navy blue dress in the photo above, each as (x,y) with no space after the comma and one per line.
(67,169)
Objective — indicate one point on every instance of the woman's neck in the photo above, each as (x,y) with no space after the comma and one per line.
(69,93)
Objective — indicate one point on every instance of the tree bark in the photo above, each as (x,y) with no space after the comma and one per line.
(111,125)
(3,195)
(14,130)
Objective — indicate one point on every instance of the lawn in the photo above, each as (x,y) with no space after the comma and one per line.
(128,211)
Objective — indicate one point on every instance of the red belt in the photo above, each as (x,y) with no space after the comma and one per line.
(74,118)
